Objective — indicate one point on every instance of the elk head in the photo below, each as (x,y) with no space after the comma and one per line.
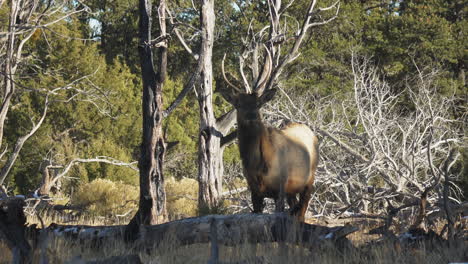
(248,105)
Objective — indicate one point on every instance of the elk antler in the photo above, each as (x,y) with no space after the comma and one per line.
(255,61)
(267,67)
(225,78)
(241,69)
(276,58)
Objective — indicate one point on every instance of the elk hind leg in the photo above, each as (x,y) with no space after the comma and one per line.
(301,207)
(279,204)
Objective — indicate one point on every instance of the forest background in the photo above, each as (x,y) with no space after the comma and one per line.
(96,53)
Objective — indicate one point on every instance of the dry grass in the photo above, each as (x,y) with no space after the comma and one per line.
(64,251)
(366,250)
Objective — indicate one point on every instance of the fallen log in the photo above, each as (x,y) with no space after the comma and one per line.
(134,259)
(228,230)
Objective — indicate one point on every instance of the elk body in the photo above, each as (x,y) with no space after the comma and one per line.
(278,163)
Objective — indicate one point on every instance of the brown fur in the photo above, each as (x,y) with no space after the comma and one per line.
(278,163)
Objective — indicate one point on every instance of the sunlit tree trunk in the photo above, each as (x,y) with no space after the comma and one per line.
(209,147)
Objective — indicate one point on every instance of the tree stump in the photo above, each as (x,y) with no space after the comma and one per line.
(12,228)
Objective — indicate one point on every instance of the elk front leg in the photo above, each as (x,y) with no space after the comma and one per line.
(257,202)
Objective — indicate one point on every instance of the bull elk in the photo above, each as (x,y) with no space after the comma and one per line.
(278,163)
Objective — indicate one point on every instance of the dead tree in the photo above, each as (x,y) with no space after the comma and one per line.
(13,227)
(369,140)
(209,137)
(229,230)
(212,129)
(25,17)
(53,173)
(152,205)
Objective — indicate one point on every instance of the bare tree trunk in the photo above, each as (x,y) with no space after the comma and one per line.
(9,70)
(22,15)
(46,182)
(20,143)
(210,164)
(152,205)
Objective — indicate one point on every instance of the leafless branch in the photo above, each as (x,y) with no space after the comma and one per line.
(99,159)
(187,88)
(179,35)
(226,79)
(370,140)
(274,58)
(24,18)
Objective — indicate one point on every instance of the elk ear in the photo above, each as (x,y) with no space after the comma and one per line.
(266,96)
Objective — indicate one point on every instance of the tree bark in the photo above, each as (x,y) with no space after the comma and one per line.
(46,181)
(9,69)
(152,205)
(210,166)
(9,82)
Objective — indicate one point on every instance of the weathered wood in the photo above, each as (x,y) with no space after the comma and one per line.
(231,230)
(152,204)
(134,259)
(210,162)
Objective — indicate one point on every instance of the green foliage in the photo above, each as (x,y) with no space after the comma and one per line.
(104,120)
(181,126)
(116,26)
(398,36)
(417,34)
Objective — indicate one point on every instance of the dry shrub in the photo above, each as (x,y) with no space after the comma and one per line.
(104,197)
(181,198)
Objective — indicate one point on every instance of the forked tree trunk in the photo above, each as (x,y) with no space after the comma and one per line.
(152,205)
